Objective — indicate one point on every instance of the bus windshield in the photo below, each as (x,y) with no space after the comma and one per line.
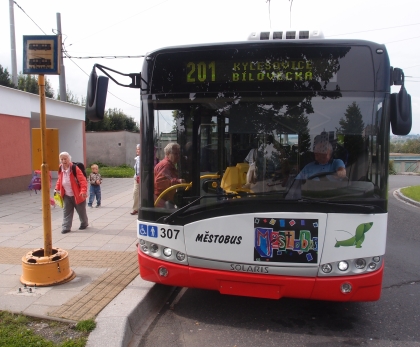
(264,145)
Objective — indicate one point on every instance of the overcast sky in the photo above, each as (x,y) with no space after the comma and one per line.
(93,28)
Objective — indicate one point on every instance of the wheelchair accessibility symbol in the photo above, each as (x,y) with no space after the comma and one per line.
(143,230)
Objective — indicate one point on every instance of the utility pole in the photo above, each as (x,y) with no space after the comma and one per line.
(13,43)
(62,76)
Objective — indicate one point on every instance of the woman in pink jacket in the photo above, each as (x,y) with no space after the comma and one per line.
(73,190)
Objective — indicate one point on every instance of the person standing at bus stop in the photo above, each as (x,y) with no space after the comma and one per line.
(136,187)
(73,190)
(166,174)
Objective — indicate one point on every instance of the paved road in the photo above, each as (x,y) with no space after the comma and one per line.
(196,317)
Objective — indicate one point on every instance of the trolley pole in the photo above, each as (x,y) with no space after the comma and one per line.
(45,183)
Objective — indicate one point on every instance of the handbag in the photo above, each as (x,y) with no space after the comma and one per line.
(58,199)
(252,174)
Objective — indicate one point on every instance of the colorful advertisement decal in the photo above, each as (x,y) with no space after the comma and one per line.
(286,240)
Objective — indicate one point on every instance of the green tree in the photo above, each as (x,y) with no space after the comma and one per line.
(351,126)
(29,83)
(71,98)
(5,79)
(114,119)
(395,147)
(411,146)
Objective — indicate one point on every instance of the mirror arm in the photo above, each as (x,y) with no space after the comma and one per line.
(135,77)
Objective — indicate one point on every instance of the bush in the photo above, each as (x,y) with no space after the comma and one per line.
(123,171)
(98,163)
(391,168)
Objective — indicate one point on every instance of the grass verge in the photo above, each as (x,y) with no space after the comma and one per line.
(122,171)
(412,192)
(17,330)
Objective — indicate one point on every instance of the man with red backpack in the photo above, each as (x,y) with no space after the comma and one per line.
(72,186)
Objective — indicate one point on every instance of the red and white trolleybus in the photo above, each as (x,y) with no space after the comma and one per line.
(279,233)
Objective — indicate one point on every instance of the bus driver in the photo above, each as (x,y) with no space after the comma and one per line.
(166,174)
(323,163)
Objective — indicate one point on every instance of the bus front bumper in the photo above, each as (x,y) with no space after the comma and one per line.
(366,287)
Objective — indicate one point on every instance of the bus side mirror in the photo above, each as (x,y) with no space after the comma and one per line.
(401,117)
(96,97)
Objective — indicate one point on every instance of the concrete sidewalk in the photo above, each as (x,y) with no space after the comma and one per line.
(103,257)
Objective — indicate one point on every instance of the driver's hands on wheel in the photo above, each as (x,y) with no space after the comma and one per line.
(341,172)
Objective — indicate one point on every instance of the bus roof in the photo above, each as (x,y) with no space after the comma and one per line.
(238,44)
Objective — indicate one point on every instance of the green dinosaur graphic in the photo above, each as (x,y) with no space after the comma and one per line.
(357,239)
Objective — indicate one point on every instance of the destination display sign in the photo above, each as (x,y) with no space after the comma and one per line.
(249,71)
(264,67)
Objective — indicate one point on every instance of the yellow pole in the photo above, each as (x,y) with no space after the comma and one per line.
(45,181)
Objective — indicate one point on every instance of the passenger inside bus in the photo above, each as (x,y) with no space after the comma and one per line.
(166,174)
(324,163)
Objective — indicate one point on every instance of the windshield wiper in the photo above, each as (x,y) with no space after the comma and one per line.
(186,207)
(227,196)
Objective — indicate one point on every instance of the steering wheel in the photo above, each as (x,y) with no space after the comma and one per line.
(321,175)
(171,188)
(181,185)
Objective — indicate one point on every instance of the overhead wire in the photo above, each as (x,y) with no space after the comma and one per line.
(142,56)
(66,55)
(164,118)
(365,31)
(29,17)
(124,20)
(71,59)
(109,57)
(410,38)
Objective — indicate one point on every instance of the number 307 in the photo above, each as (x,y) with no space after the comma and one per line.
(201,71)
(169,233)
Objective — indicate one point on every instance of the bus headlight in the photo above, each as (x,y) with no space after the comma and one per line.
(162,252)
(360,263)
(167,252)
(349,267)
(327,268)
(343,265)
(372,266)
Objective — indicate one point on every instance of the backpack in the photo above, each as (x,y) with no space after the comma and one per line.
(35,181)
(81,166)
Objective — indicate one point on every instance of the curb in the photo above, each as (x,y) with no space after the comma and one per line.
(401,196)
(129,315)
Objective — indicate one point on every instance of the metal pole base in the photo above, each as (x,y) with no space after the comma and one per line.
(41,271)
